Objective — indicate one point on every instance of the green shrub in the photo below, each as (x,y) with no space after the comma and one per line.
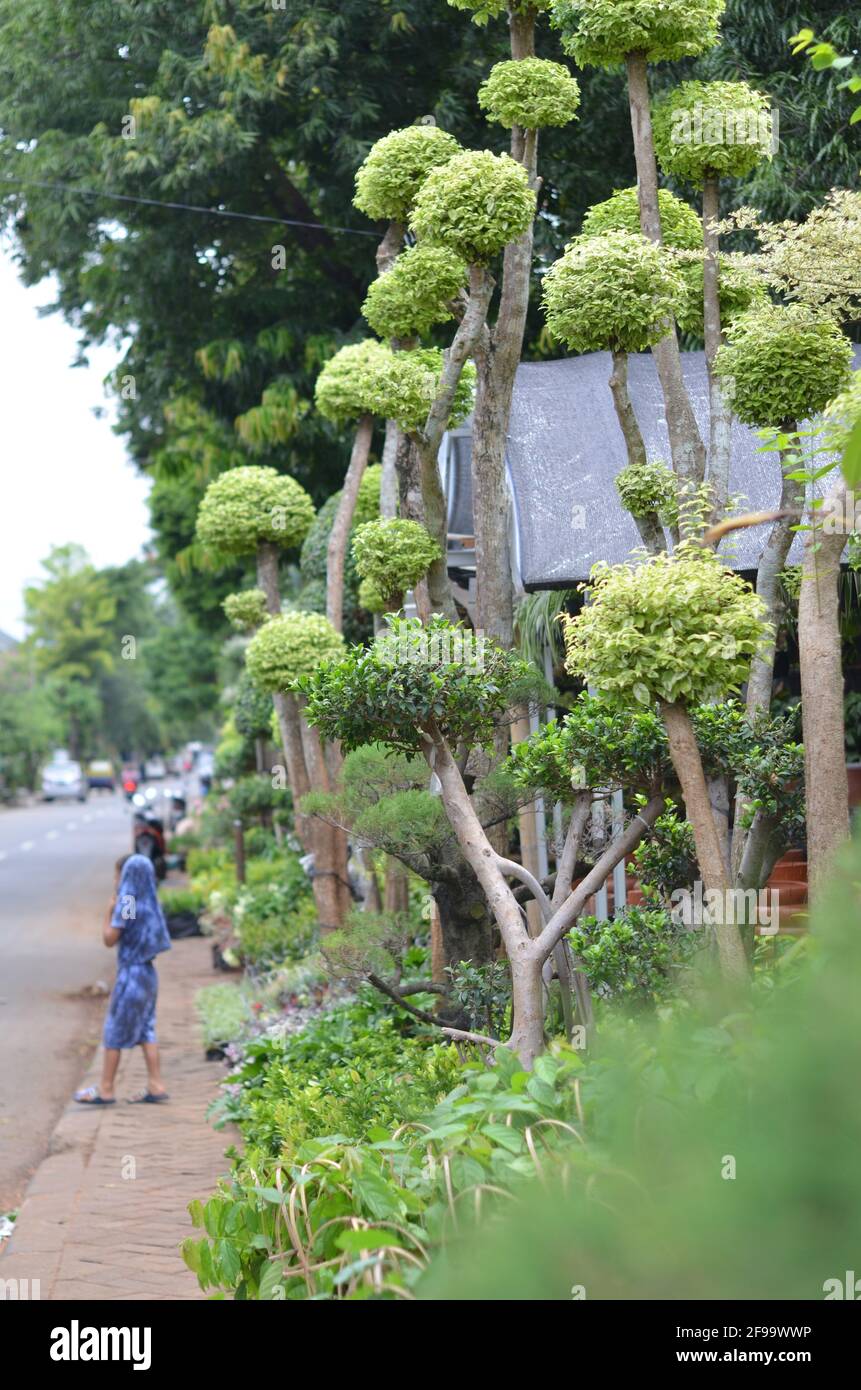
(175,901)
(406,390)
(711,128)
(612,291)
(601,33)
(475,205)
(289,647)
(635,957)
(245,610)
(393,554)
(345,387)
(530,92)
(782,364)
(397,166)
(416,293)
(273,927)
(404,1188)
(223,1013)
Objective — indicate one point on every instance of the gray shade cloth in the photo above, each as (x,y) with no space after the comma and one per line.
(565,449)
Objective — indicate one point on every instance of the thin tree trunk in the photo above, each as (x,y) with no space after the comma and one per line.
(648,524)
(389,478)
(825,777)
(686,446)
(720,413)
(336,552)
(330,882)
(771,561)
(286,709)
(687,762)
(497,367)
(429,441)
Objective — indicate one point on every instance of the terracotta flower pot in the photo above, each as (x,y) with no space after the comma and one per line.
(853,772)
(788,871)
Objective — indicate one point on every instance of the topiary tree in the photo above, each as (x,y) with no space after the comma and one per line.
(780,364)
(682,231)
(705,131)
(676,630)
(416,293)
(255,511)
(602,33)
(246,508)
(313,558)
(435,691)
(345,391)
(409,386)
(648,491)
(287,649)
(392,555)
(246,610)
(525,93)
(615,291)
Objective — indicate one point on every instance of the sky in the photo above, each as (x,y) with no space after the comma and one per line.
(65,476)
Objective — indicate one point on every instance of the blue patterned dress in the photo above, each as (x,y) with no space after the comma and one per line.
(138,916)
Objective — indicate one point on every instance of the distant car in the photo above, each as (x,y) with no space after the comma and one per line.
(154,769)
(100,775)
(64,781)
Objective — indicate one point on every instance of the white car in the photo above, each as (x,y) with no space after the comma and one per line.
(64,781)
(154,769)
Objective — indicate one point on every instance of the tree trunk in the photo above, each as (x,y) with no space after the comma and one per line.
(647,523)
(497,366)
(389,478)
(720,413)
(466,926)
(330,882)
(429,440)
(687,762)
(826,782)
(686,446)
(771,561)
(286,709)
(336,552)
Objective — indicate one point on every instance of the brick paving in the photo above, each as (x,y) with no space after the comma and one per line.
(89,1230)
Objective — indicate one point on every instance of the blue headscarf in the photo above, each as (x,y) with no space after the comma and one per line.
(138,915)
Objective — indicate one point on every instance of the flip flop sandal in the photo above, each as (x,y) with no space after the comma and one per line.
(90,1096)
(147,1098)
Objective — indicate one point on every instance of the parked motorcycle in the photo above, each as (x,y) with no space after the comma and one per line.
(149,840)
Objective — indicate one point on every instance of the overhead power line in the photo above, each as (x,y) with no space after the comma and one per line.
(187,207)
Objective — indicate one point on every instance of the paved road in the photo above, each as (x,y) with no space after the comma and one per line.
(56,876)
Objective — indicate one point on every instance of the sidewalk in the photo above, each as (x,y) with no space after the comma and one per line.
(106,1209)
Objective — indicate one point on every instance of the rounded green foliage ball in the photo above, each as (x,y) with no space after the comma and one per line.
(612,291)
(711,128)
(291,647)
(247,506)
(475,205)
(397,166)
(370,597)
(529,92)
(739,289)
(676,628)
(680,223)
(416,293)
(649,487)
(408,387)
(246,610)
(394,554)
(601,33)
(345,387)
(783,364)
